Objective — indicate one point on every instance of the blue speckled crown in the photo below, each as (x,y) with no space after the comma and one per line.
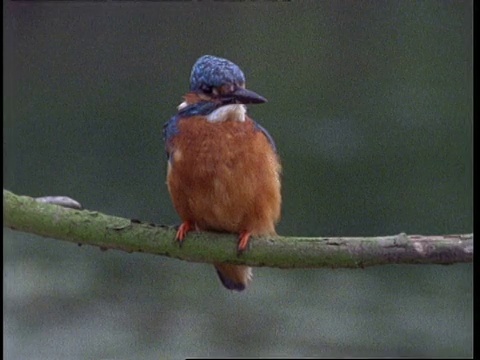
(211,71)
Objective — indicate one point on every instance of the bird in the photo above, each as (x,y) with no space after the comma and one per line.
(223,168)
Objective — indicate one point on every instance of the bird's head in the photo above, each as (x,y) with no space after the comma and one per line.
(221,81)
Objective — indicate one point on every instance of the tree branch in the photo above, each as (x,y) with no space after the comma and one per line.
(25,214)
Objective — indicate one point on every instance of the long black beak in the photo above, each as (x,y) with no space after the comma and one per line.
(244,96)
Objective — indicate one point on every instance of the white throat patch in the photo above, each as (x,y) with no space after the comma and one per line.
(183,105)
(234,111)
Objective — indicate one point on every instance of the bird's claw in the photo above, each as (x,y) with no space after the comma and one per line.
(182,231)
(243,241)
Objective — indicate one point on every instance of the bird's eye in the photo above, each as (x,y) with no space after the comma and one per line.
(206,89)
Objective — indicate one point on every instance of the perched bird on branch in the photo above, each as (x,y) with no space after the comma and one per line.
(223,168)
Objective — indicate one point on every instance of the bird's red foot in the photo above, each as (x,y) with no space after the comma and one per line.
(243,241)
(182,231)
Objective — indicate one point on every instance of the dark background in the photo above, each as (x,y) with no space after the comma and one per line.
(371,106)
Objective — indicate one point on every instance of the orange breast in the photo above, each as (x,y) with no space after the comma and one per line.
(224,176)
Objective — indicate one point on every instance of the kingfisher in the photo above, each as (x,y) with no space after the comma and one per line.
(223,168)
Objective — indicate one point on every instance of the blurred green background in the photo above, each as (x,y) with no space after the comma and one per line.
(371,106)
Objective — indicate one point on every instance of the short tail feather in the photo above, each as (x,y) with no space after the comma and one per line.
(234,277)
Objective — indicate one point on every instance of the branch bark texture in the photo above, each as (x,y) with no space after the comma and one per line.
(23,213)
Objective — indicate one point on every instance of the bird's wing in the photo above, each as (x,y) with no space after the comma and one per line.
(170,129)
(267,135)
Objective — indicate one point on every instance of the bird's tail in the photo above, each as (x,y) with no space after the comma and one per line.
(234,277)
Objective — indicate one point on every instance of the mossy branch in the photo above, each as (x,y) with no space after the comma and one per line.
(26,214)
